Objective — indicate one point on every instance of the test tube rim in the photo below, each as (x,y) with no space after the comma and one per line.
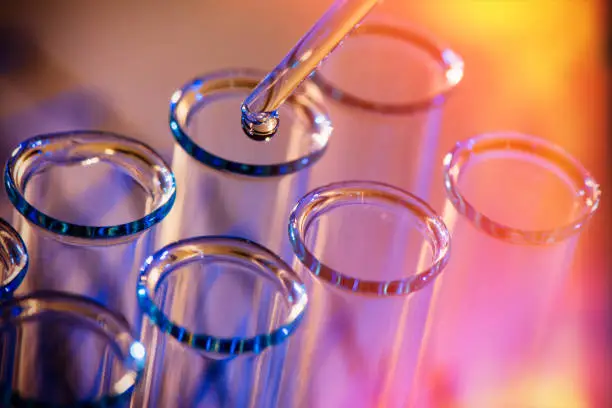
(313,204)
(297,298)
(72,233)
(19,267)
(232,79)
(96,315)
(447,58)
(519,142)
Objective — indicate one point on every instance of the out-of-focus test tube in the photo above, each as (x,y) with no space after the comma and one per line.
(13,260)
(13,268)
(108,358)
(369,252)
(218,311)
(86,206)
(385,90)
(260,108)
(228,184)
(516,206)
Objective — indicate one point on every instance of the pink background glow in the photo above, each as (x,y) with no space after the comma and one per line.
(532,66)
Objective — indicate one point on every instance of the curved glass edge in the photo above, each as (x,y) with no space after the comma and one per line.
(131,352)
(315,203)
(17,262)
(455,159)
(451,63)
(247,79)
(118,232)
(167,259)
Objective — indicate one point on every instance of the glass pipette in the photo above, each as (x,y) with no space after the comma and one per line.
(259,110)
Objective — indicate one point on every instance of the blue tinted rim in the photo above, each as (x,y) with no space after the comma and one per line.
(8,287)
(320,123)
(227,346)
(354,192)
(451,63)
(90,232)
(86,308)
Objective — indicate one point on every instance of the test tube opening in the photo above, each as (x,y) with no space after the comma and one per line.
(13,259)
(367,215)
(221,296)
(89,187)
(423,70)
(203,122)
(104,363)
(519,188)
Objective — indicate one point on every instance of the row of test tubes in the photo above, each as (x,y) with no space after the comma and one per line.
(236,278)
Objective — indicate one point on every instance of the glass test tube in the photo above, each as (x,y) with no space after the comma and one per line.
(386,87)
(368,294)
(13,260)
(108,358)
(206,351)
(13,268)
(516,205)
(86,203)
(229,184)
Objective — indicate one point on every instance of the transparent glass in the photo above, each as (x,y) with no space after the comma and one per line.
(13,260)
(371,252)
(218,312)
(99,368)
(516,206)
(86,203)
(229,184)
(385,89)
(260,107)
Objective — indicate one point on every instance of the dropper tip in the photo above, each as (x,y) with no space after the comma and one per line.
(260,129)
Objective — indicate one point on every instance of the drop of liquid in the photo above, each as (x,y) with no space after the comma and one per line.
(261,126)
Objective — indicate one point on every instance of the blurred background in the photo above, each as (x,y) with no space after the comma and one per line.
(536,66)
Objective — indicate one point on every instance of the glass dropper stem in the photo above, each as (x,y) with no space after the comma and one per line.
(259,109)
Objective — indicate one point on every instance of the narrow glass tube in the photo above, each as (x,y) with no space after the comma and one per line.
(86,203)
(101,369)
(13,268)
(208,345)
(229,184)
(13,260)
(385,89)
(260,108)
(371,252)
(516,206)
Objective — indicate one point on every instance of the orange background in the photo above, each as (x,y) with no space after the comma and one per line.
(536,66)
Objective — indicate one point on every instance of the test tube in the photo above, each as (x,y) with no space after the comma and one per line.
(368,294)
(13,268)
(86,205)
(385,89)
(101,345)
(229,184)
(13,260)
(515,207)
(208,346)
